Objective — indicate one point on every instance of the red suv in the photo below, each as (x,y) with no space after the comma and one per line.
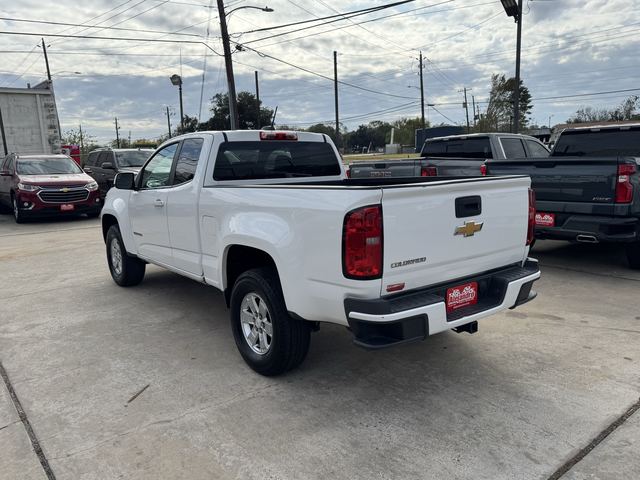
(47,185)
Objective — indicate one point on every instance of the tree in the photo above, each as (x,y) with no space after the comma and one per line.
(247,111)
(405,133)
(375,135)
(190,125)
(499,114)
(627,110)
(323,128)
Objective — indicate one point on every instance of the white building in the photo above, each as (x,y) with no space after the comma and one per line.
(30,119)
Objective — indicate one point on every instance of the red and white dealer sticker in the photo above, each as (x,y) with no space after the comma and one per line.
(462,296)
(545,219)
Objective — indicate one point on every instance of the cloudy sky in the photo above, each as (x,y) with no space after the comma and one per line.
(570,48)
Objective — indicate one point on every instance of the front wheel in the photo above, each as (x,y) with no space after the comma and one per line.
(125,270)
(633,255)
(269,340)
(18,216)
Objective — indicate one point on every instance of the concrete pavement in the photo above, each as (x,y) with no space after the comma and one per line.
(516,400)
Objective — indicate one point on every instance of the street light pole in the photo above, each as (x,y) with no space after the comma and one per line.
(177,80)
(421,94)
(234,118)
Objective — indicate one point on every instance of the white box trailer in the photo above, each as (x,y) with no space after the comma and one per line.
(30,120)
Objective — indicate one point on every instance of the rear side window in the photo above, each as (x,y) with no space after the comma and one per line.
(513,148)
(476,147)
(103,157)
(603,143)
(91,159)
(275,159)
(187,160)
(536,149)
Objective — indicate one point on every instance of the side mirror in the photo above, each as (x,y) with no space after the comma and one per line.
(107,166)
(125,181)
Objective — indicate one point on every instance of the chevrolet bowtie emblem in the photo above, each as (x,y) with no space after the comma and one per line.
(469,229)
(65,189)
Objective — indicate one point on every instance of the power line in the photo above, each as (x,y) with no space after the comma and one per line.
(46,22)
(313,20)
(126,39)
(262,54)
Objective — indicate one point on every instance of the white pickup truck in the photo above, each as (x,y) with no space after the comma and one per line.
(271,219)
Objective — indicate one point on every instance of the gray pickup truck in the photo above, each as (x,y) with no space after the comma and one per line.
(456,155)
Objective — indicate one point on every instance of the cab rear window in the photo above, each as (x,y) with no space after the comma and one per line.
(599,143)
(476,147)
(275,159)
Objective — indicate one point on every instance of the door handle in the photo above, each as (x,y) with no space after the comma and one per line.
(88,170)
(158,203)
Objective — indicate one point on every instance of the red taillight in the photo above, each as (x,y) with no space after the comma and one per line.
(429,171)
(270,135)
(483,169)
(531,229)
(348,172)
(362,243)
(624,188)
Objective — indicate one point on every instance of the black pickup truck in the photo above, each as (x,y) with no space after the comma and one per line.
(588,189)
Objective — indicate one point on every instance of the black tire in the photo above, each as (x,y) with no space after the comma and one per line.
(94,214)
(633,255)
(18,216)
(290,338)
(129,270)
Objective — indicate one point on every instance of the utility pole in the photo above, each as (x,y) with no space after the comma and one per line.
(335,91)
(4,136)
(117,133)
(466,108)
(257,101)
(168,122)
(81,141)
(473,103)
(233,102)
(46,59)
(129,139)
(516,91)
(421,94)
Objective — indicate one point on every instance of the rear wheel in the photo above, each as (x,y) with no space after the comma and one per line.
(269,340)
(125,270)
(17,214)
(633,255)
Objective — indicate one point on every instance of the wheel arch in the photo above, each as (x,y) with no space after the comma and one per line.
(240,258)
(108,221)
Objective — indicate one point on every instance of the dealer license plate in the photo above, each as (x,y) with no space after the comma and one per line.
(545,219)
(462,296)
(67,207)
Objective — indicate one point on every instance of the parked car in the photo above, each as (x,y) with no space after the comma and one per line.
(455,155)
(46,185)
(270,219)
(104,163)
(588,190)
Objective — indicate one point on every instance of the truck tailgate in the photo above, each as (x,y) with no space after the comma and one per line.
(383,169)
(424,233)
(571,179)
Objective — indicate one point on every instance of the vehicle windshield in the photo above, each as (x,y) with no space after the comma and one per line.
(603,143)
(275,159)
(133,158)
(475,147)
(46,166)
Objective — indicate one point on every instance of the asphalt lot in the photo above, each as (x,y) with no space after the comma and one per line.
(517,400)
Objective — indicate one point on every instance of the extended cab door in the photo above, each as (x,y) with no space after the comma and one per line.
(182,207)
(147,207)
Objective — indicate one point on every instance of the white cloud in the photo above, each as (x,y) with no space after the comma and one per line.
(569,47)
